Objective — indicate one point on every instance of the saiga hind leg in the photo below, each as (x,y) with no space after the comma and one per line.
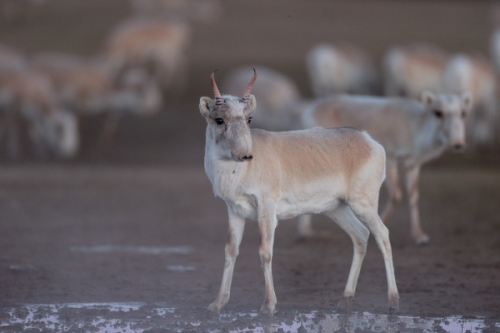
(359,234)
(367,214)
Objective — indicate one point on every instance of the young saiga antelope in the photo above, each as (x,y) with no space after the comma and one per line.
(268,176)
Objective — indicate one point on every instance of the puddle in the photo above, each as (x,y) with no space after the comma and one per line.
(21,267)
(180,268)
(113,307)
(142,317)
(133,249)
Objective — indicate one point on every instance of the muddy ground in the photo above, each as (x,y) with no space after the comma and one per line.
(150,191)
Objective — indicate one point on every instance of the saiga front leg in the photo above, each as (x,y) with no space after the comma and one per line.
(236,228)
(267,226)
(411,179)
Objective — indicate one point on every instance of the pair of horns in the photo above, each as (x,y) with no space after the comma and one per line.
(218,97)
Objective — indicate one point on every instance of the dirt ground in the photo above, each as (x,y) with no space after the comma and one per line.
(140,223)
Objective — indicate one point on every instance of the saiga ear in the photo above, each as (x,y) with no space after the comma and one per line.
(467,101)
(206,103)
(252,104)
(428,98)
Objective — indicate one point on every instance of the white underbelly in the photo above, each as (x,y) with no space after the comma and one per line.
(290,205)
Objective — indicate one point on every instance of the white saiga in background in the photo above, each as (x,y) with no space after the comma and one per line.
(411,132)
(475,73)
(409,70)
(341,69)
(268,176)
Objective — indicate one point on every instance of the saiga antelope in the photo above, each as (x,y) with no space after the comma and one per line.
(341,68)
(410,70)
(268,176)
(411,132)
(156,45)
(86,86)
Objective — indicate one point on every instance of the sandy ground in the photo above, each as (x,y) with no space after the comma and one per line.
(140,223)
(86,234)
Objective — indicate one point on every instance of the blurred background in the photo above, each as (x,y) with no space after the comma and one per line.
(102,144)
(55,36)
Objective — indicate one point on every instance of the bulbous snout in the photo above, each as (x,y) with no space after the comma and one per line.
(246,158)
(240,142)
(241,155)
(457,135)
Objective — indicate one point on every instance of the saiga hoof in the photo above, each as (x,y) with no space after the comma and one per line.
(345,303)
(266,310)
(422,240)
(393,304)
(214,308)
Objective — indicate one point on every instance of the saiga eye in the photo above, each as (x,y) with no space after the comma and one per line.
(249,120)
(219,121)
(438,114)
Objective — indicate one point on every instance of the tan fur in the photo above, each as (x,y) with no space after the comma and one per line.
(268,176)
(340,150)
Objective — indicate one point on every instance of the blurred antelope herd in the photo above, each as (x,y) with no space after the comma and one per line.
(44,96)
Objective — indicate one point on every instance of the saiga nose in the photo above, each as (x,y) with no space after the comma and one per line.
(459,147)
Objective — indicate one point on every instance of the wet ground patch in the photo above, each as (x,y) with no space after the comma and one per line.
(142,317)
